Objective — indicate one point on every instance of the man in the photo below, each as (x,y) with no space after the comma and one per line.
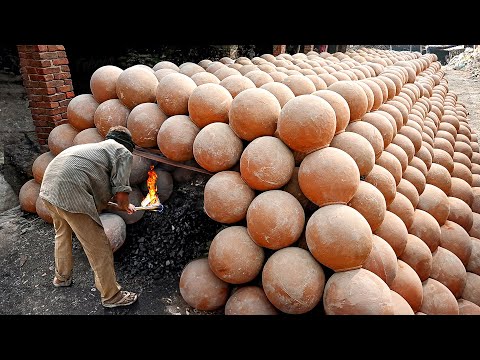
(76,186)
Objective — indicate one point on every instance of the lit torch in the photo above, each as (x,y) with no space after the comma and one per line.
(151,200)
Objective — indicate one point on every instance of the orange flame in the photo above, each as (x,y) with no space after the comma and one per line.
(152,197)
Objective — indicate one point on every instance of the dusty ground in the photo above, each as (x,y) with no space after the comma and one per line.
(27,242)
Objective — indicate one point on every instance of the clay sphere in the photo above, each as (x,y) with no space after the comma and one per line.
(87,136)
(42,211)
(370,203)
(418,256)
(110,113)
(103,83)
(281,91)
(249,300)
(403,208)
(400,154)
(176,137)
(392,164)
(438,299)
(382,260)
(383,181)
(339,105)
(136,85)
(466,307)
(472,288)
(358,148)
(61,137)
(144,122)
(460,213)
(40,164)
(135,198)
(443,158)
(80,111)
(209,103)
(434,201)
(473,264)
(354,95)
(393,231)
(457,240)
(173,93)
(449,270)
(416,177)
(235,84)
(400,305)
(382,124)
(408,284)
(369,132)
(426,227)
(461,190)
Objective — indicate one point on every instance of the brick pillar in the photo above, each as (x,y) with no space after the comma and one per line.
(46,77)
(279,49)
(307,48)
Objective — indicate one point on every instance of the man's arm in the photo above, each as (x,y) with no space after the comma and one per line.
(120,182)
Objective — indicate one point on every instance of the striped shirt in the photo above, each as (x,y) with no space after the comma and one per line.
(83,178)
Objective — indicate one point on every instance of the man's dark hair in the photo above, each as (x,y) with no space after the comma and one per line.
(121,135)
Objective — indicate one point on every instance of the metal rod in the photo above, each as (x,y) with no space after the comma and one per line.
(157,208)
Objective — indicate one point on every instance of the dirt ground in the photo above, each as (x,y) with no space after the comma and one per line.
(27,244)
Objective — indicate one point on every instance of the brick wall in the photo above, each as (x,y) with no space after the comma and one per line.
(46,77)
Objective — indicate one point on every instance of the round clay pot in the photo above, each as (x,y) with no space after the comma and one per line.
(406,144)
(234,257)
(473,264)
(328,176)
(377,93)
(42,211)
(413,135)
(161,73)
(176,136)
(443,158)
(457,240)
(61,137)
(418,256)
(235,84)
(135,198)
(173,92)
(383,125)
(87,136)
(115,229)
(249,300)
(466,307)
(354,95)
(266,219)
(144,122)
(225,72)
(110,113)
(424,155)
(201,78)
(460,213)
(449,270)
(136,85)
(393,231)
(103,83)
(383,181)
(334,231)
(200,288)
(400,305)
(392,164)
(339,105)
(452,120)
(461,171)
(382,260)
(461,190)
(395,113)
(434,201)
(369,132)
(281,91)
(472,288)
(358,148)
(293,188)
(357,292)
(266,163)
(403,208)
(299,84)
(443,144)
(475,230)
(420,165)
(209,103)
(227,197)
(80,111)
(460,146)
(400,154)
(406,188)
(475,180)
(408,284)
(40,164)
(166,65)
(293,281)
(370,203)
(426,227)
(216,147)
(438,299)
(254,113)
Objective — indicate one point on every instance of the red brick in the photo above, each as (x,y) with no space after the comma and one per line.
(64,88)
(70,94)
(30,70)
(43,91)
(56,97)
(48,77)
(68,81)
(21,48)
(65,68)
(23,62)
(25,76)
(44,145)
(30,48)
(41,63)
(42,137)
(61,54)
(62,75)
(55,84)
(40,117)
(40,48)
(48,70)
(64,102)
(40,123)
(55,47)
(47,104)
(36,84)
(38,111)
(33,97)
(48,55)
(61,61)
(58,110)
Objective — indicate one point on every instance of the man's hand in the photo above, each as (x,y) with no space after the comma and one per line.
(131,209)
(123,201)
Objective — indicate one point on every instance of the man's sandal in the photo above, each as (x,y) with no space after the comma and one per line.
(127,298)
(58,283)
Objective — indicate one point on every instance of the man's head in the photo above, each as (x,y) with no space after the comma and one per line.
(121,135)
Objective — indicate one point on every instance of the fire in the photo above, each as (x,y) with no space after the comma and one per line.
(152,198)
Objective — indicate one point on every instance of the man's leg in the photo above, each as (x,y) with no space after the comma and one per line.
(63,245)
(98,250)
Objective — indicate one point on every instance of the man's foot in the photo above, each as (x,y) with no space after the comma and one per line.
(58,283)
(124,298)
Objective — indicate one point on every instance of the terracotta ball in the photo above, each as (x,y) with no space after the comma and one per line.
(176,137)
(354,95)
(408,284)
(426,227)
(400,154)
(139,169)
(403,208)
(437,299)
(161,73)
(357,292)
(452,120)
(475,180)
(204,77)
(200,288)
(449,270)
(358,148)
(115,229)
(416,177)
(475,230)
(281,91)
(383,181)
(339,105)
(80,111)
(466,307)
(393,231)
(434,201)
(103,83)
(382,260)
(339,237)
(457,240)
(382,124)
(266,163)
(472,288)
(249,300)
(293,281)
(42,211)
(40,164)
(306,123)
(418,256)
(473,264)
(443,158)
(144,122)
(87,136)
(254,113)
(110,113)
(135,198)
(420,165)
(401,306)
(392,164)
(370,203)
(225,72)
(460,213)
(464,148)
(395,113)
(165,65)
(443,144)
(235,84)
(424,155)
(136,85)
(209,103)
(406,144)
(461,190)
(61,137)
(275,219)
(234,257)
(328,176)
(369,132)
(173,93)
(446,135)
